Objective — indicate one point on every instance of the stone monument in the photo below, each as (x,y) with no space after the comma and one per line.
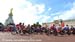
(10,18)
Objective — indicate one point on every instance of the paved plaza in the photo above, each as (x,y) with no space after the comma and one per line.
(8,37)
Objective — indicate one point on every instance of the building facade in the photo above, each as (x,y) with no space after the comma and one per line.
(66,22)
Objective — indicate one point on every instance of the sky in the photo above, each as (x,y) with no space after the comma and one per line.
(32,11)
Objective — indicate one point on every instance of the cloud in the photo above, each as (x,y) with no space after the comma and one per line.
(67,14)
(23,11)
(28,15)
(40,8)
(45,18)
(49,9)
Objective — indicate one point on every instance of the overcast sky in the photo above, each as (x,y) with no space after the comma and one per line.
(31,11)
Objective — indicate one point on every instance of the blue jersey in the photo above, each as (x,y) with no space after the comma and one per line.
(66,28)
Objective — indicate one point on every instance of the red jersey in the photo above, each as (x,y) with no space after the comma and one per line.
(62,24)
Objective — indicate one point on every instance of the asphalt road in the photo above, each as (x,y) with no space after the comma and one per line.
(8,37)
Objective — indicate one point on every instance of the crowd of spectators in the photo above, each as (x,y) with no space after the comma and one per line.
(36,28)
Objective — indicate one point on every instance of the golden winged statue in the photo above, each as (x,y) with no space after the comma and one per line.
(11,14)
